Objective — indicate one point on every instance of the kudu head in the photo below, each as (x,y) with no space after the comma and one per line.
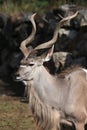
(31,62)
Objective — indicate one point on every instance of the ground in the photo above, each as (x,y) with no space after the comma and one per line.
(14,115)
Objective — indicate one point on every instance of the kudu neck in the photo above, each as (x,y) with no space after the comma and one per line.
(41,74)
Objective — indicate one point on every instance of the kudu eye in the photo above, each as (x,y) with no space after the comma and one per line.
(31,64)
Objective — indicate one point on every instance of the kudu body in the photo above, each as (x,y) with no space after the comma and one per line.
(54,100)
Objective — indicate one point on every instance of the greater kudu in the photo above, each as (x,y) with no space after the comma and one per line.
(54,100)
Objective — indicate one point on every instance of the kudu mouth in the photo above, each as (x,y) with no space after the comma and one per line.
(23,79)
(19,78)
(23,74)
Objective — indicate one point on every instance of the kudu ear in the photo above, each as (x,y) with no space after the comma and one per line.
(49,54)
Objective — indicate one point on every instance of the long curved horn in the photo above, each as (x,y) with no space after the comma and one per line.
(23,44)
(55,36)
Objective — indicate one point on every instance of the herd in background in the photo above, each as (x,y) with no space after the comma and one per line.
(70,49)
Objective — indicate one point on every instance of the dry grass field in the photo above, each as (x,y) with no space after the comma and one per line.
(14,115)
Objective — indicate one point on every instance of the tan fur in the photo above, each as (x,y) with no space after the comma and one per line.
(68,71)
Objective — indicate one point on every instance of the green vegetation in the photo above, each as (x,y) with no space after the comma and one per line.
(15,6)
(15,115)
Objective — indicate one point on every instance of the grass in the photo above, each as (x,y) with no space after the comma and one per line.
(11,8)
(34,6)
(15,115)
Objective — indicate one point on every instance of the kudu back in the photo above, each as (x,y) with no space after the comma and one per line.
(54,100)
